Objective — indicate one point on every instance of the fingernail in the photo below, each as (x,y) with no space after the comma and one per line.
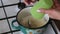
(38,11)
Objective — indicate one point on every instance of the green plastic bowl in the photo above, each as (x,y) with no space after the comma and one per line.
(46,4)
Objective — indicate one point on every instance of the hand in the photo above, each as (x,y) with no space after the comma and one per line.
(54,14)
(29,2)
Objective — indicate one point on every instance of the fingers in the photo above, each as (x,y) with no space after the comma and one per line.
(26,3)
(45,11)
(52,13)
(29,2)
(49,12)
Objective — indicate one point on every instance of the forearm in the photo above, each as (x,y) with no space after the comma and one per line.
(58,17)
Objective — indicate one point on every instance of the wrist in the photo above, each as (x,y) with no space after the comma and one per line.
(58,16)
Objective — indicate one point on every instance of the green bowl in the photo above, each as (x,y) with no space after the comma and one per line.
(46,4)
